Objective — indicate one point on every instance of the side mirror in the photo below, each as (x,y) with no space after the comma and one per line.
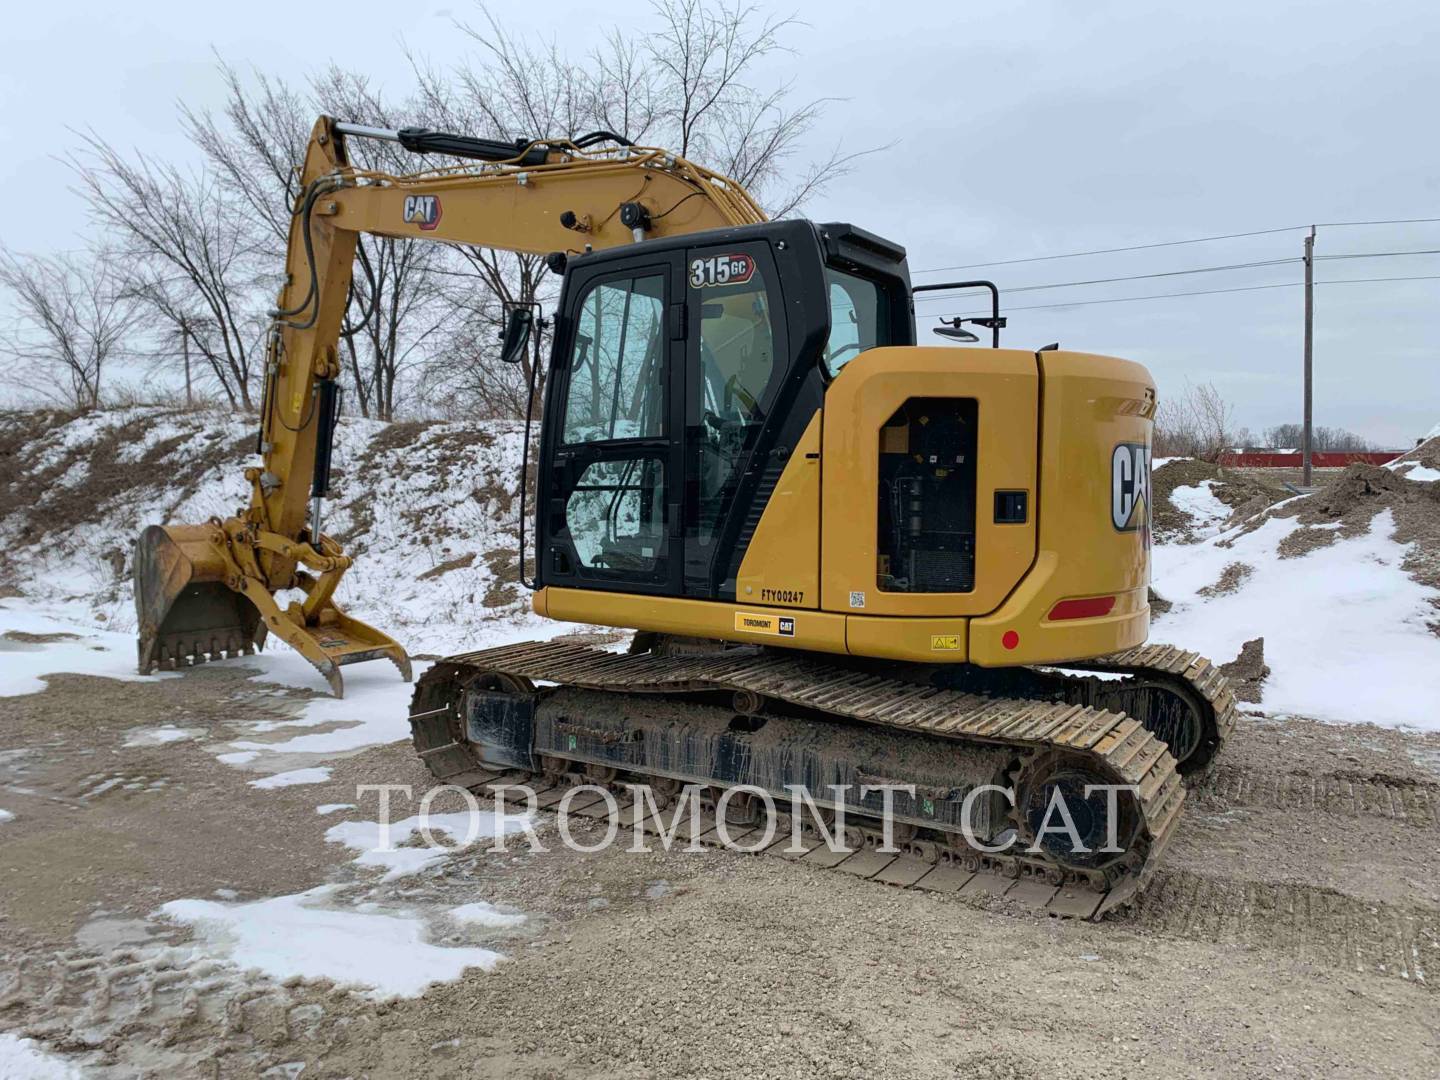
(517,334)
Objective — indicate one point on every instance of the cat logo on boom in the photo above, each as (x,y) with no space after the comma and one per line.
(1130,486)
(422,210)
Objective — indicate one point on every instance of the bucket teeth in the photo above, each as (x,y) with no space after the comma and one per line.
(180,651)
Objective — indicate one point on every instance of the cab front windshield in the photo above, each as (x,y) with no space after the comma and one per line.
(856,317)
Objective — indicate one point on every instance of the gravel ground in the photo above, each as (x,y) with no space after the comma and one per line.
(1288,932)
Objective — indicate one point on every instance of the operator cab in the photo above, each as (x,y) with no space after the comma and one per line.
(683,374)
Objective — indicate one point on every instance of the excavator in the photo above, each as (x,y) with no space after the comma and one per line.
(850,561)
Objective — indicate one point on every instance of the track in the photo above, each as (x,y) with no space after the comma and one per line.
(459,698)
(1163,678)
(1396,799)
(1313,923)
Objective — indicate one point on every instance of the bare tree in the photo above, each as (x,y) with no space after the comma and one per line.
(74,318)
(706,107)
(1292,436)
(204,247)
(255,145)
(690,84)
(192,252)
(258,149)
(1198,423)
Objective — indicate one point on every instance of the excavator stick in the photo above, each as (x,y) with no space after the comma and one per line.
(194,603)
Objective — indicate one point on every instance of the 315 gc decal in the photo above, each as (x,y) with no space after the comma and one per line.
(721,270)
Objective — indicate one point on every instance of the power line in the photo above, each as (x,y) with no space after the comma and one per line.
(1177,243)
(1201,292)
(1112,251)
(1199,270)
(1140,277)
(1391,221)
(1379,254)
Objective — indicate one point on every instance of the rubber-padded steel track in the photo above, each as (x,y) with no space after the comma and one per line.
(1114,746)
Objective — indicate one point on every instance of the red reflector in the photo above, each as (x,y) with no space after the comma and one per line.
(1090,608)
(1010,640)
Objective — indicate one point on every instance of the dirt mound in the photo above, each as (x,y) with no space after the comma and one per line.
(1247,671)
(427,508)
(1243,496)
(1231,578)
(1346,507)
(1425,456)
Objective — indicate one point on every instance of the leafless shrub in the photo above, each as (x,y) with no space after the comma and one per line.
(1198,423)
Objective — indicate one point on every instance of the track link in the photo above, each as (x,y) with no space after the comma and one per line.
(1110,745)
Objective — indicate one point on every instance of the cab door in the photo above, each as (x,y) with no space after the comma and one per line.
(737,359)
(612,483)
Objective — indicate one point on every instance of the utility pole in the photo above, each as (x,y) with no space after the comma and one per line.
(185,347)
(1309,348)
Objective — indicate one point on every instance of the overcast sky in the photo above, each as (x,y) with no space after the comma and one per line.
(1018,130)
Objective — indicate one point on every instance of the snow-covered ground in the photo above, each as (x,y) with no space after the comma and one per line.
(1203,506)
(410,500)
(1346,629)
(383,952)
(22,1059)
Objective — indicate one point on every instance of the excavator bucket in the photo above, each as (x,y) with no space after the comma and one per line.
(186,612)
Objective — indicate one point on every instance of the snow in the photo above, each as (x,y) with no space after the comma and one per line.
(6,815)
(482,914)
(92,652)
(456,477)
(375,710)
(1412,470)
(377,844)
(302,935)
(166,733)
(334,807)
(1203,506)
(1344,625)
(22,1059)
(292,778)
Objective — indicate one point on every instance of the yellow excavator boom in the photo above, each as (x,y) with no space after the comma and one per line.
(207,591)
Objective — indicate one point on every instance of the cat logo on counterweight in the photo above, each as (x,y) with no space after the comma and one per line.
(1130,486)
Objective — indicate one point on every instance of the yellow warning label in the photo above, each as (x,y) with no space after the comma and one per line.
(945,642)
(754,623)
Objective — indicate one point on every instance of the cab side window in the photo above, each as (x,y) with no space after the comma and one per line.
(617,384)
(857,318)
